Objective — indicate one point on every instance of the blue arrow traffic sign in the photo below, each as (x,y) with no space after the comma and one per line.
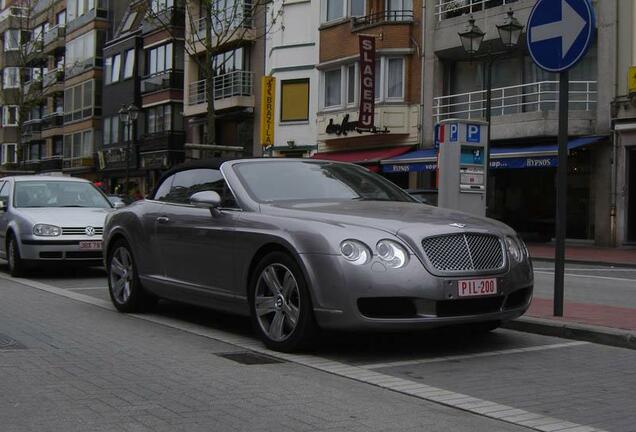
(560,32)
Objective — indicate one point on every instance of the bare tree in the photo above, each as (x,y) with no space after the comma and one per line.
(214,26)
(23,57)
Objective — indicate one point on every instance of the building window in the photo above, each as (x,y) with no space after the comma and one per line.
(158,119)
(332,88)
(9,154)
(357,8)
(80,53)
(161,5)
(230,61)
(77,8)
(116,68)
(111,130)
(130,19)
(79,145)
(160,59)
(395,78)
(10,115)
(352,79)
(337,9)
(60,19)
(12,40)
(78,102)
(11,77)
(294,100)
(129,63)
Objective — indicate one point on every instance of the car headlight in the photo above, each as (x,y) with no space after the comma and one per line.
(355,252)
(45,230)
(392,253)
(514,249)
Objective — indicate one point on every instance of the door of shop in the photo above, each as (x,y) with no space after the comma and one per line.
(631,197)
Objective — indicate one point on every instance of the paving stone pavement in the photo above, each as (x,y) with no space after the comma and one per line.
(82,368)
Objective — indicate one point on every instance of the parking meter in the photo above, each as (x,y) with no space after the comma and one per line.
(462,158)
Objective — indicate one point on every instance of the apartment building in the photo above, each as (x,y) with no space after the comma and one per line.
(291,58)
(396,26)
(236,53)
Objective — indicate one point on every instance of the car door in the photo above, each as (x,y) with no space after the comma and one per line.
(196,244)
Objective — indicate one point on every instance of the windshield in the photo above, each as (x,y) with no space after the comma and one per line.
(46,193)
(315,181)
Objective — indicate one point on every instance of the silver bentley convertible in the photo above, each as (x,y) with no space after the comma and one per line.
(300,245)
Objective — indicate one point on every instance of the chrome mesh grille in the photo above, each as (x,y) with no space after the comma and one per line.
(80,230)
(464,252)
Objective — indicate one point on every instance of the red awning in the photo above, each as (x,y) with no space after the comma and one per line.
(363,156)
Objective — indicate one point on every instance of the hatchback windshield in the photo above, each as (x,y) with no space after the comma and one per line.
(58,194)
(295,180)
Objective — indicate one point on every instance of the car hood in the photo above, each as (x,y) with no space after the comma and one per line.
(399,218)
(66,217)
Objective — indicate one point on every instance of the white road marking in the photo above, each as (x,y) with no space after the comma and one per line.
(589,276)
(470,356)
(411,388)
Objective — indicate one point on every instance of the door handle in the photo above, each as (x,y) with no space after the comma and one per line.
(163,219)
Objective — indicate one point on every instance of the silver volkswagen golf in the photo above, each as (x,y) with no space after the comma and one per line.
(300,245)
(50,219)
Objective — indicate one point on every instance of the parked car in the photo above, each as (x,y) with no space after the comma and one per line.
(119,201)
(50,219)
(300,245)
(425,196)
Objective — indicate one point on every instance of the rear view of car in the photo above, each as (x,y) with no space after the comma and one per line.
(50,219)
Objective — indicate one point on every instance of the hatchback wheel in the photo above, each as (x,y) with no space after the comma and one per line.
(16,263)
(281,307)
(125,289)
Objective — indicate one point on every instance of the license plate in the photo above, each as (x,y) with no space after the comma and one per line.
(476,287)
(91,245)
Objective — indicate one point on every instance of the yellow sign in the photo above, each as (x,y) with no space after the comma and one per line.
(631,80)
(268,93)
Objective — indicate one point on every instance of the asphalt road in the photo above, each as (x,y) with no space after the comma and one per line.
(163,371)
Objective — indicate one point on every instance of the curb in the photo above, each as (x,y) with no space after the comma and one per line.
(570,330)
(586,262)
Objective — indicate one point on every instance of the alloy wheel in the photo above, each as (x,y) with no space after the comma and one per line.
(121,274)
(277,302)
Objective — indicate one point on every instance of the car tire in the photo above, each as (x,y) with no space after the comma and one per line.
(280,304)
(124,286)
(17,266)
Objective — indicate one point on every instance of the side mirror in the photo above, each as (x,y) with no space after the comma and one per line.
(206,199)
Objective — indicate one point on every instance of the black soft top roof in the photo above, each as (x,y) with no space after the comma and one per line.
(212,163)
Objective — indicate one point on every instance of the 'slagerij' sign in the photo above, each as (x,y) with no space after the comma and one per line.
(367,81)
(560,32)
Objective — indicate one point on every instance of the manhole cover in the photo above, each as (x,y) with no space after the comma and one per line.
(250,358)
(8,343)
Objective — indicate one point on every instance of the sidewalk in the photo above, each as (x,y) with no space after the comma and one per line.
(585,254)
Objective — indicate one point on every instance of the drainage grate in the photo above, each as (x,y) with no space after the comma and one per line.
(8,343)
(250,358)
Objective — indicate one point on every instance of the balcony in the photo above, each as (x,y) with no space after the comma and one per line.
(53,163)
(99,11)
(453,8)
(32,130)
(54,38)
(165,80)
(32,89)
(171,17)
(524,98)
(32,52)
(384,17)
(237,84)
(11,17)
(52,121)
(78,163)
(52,78)
(82,66)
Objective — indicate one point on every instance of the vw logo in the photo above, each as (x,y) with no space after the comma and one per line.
(457,225)
(90,231)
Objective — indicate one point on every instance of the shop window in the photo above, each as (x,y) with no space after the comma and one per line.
(294,100)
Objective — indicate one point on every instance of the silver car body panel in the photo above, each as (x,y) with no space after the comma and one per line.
(207,259)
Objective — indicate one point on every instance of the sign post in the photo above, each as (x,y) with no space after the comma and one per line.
(560,32)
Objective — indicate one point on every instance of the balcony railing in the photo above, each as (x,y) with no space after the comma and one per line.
(78,162)
(31,165)
(53,77)
(14,11)
(524,98)
(170,79)
(53,120)
(238,83)
(31,88)
(452,8)
(81,66)
(58,31)
(31,129)
(53,163)
(387,16)
(224,21)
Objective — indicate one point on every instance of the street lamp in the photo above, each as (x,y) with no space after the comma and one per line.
(128,115)
(471,39)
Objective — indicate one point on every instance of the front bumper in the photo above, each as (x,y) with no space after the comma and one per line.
(59,249)
(372,296)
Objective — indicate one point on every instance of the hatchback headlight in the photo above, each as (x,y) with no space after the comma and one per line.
(392,253)
(45,230)
(514,249)
(355,251)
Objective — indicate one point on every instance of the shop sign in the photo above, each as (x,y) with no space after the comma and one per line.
(346,126)
(520,163)
(154,161)
(407,168)
(268,93)
(367,81)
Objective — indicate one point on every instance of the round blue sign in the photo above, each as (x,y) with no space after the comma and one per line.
(560,32)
